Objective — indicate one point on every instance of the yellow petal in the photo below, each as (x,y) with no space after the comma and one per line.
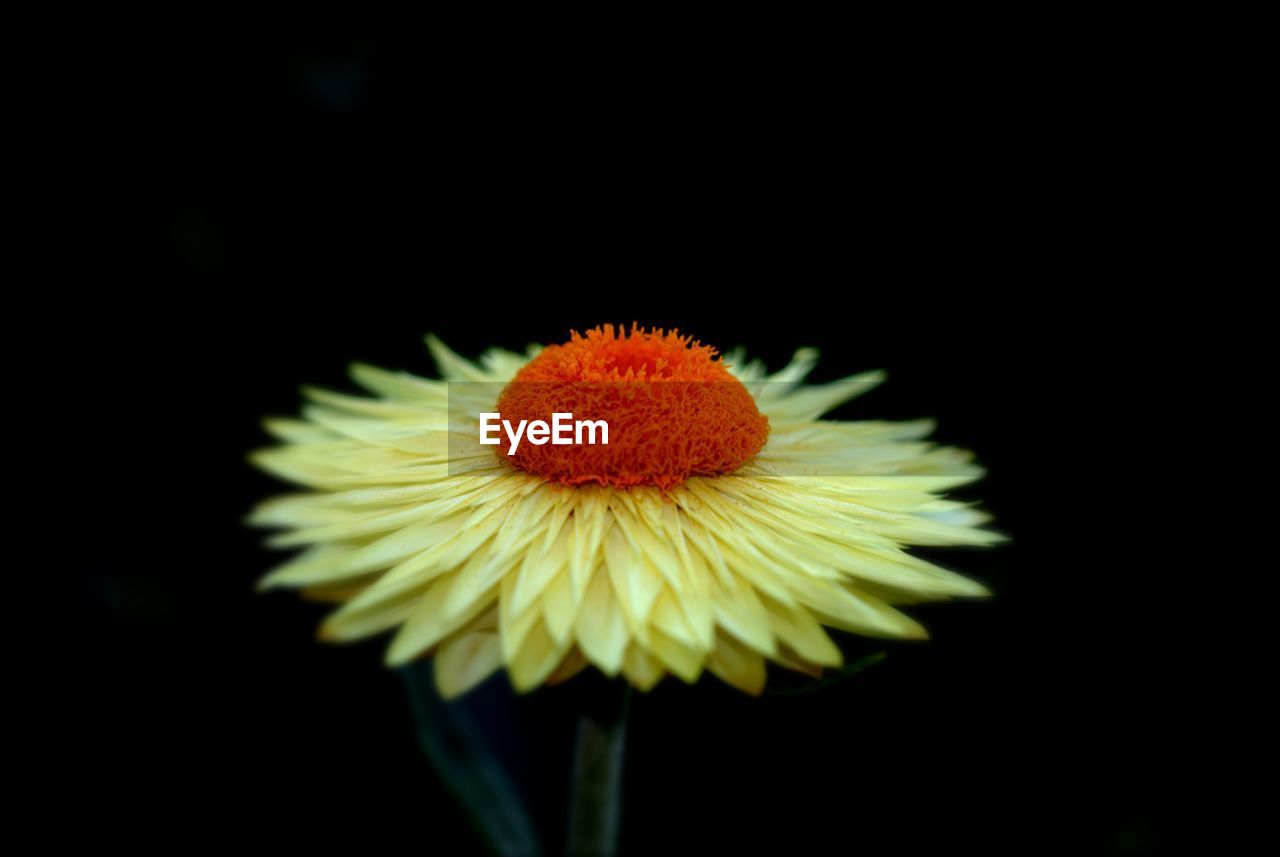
(465,661)
(734,664)
(601,628)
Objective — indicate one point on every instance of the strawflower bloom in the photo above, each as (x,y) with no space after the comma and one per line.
(723,526)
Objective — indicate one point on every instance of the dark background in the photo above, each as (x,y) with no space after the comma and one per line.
(1002,235)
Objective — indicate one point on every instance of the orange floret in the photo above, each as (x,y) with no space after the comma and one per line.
(673,409)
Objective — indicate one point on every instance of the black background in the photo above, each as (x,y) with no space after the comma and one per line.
(993,233)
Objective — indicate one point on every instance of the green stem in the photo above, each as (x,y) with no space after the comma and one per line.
(595,802)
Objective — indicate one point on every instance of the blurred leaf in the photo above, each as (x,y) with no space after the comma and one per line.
(469,766)
(786,685)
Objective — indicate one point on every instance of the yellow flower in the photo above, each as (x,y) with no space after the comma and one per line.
(729,536)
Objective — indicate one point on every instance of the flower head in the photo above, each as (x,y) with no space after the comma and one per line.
(674,409)
(722,527)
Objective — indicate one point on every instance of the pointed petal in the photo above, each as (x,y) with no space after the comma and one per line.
(465,661)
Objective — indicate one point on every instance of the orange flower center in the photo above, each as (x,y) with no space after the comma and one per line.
(672,408)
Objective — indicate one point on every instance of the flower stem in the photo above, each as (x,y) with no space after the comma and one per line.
(595,801)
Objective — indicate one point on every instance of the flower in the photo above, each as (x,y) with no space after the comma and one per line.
(722,527)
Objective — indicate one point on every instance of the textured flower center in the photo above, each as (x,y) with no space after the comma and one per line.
(672,408)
